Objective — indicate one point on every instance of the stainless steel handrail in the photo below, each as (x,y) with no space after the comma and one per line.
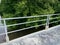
(47,23)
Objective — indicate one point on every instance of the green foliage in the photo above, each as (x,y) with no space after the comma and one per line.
(20,8)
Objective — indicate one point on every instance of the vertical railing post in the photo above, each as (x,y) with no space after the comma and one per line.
(0,19)
(7,38)
(47,22)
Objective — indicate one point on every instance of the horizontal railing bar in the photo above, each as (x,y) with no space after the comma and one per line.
(21,29)
(54,18)
(29,16)
(26,22)
(25,28)
(22,17)
(54,21)
(30,22)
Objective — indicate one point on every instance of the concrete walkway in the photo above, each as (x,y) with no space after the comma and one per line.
(50,36)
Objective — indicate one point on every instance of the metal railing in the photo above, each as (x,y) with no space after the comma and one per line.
(46,27)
